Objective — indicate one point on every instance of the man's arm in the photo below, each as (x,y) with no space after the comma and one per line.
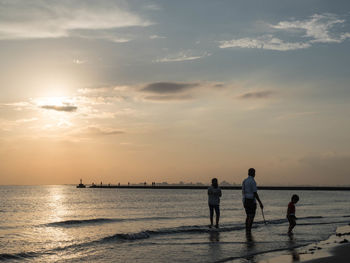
(257,198)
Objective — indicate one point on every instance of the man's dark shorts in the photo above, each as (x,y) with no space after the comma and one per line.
(250,207)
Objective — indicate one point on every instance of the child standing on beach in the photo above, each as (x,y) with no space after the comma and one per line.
(291,213)
(214,194)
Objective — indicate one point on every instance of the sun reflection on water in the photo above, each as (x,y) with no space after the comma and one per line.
(57,212)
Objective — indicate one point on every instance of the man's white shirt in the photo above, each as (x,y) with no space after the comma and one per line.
(249,188)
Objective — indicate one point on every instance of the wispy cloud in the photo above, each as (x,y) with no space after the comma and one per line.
(156,91)
(156,37)
(182,56)
(179,91)
(319,28)
(264,42)
(100,131)
(256,95)
(24,19)
(169,87)
(166,98)
(108,34)
(79,61)
(26,120)
(18,106)
(66,108)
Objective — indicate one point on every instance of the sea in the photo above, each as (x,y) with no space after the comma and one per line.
(61,223)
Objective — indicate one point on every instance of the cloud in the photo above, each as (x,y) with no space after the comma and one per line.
(219,85)
(93,130)
(79,61)
(156,37)
(256,95)
(157,92)
(27,19)
(166,98)
(108,34)
(19,106)
(182,56)
(26,120)
(268,42)
(66,108)
(169,87)
(319,28)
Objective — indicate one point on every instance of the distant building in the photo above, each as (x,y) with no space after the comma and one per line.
(224,183)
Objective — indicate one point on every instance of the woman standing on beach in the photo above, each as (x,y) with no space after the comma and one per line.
(214,194)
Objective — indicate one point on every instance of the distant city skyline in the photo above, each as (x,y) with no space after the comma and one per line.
(175,91)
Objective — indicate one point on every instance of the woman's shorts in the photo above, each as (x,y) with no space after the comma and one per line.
(214,207)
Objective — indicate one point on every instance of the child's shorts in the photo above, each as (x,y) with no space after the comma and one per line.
(291,219)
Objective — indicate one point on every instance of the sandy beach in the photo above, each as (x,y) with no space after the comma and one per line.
(340,254)
(336,249)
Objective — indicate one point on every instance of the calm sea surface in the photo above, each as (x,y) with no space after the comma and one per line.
(65,224)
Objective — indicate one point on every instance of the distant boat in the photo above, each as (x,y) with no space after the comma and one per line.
(81,185)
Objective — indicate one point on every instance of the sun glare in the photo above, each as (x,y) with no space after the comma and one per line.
(56,112)
(53,101)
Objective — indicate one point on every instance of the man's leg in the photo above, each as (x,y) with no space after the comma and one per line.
(217,213)
(211,209)
(249,222)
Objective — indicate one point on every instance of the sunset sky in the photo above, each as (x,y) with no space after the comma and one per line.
(134,91)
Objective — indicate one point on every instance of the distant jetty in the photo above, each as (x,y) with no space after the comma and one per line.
(81,185)
(198,187)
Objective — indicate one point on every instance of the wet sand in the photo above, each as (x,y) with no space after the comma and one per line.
(336,249)
(340,254)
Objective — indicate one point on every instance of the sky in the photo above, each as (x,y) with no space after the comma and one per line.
(169,91)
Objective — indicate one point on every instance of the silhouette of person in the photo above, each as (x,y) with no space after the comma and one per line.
(250,195)
(214,194)
(291,213)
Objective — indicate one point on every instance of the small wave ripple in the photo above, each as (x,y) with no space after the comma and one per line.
(18,256)
(78,222)
(129,237)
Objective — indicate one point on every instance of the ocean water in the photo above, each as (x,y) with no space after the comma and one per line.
(66,224)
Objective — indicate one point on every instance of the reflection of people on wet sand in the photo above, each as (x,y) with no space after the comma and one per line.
(214,246)
(293,251)
(291,213)
(214,236)
(250,243)
(250,240)
(214,194)
(250,195)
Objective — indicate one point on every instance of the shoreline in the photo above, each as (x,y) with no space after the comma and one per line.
(335,249)
(339,254)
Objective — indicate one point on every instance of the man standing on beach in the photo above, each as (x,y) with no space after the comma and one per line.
(250,195)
